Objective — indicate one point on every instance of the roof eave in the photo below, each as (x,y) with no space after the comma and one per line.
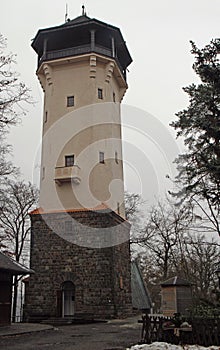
(17,272)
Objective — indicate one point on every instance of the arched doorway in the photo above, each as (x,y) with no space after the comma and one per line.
(68,298)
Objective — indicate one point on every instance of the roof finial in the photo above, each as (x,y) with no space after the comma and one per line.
(83,10)
(66,14)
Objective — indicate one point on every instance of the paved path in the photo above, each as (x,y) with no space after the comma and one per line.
(113,335)
(22,328)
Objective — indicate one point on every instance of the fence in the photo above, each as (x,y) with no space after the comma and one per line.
(203,332)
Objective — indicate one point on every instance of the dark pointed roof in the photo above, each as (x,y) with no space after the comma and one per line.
(76,32)
(12,267)
(140,296)
(176,281)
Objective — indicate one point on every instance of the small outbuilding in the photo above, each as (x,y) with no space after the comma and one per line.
(176,294)
(8,269)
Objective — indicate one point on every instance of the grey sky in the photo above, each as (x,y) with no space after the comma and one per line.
(157,34)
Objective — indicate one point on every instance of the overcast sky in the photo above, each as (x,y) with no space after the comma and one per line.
(157,34)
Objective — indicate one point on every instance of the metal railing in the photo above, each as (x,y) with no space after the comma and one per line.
(79,50)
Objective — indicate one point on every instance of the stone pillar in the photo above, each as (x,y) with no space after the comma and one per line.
(45,47)
(113,47)
(92,39)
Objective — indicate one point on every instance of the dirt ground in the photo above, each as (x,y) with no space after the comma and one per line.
(113,335)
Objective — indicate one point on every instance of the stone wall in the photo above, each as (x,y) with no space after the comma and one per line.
(80,252)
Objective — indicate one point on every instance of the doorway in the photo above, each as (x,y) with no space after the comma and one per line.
(68,298)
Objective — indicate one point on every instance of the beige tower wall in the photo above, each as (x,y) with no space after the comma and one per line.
(91,126)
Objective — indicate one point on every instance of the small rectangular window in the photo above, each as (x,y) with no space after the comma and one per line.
(116,157)
(70,101)
(46,115)
(121,283)
(100,94)
(69,160)
(113,96)
(101,157)
(118,207)
(43,172)
(68,226)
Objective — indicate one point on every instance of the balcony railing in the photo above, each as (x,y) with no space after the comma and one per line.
(67,174)
(79,50)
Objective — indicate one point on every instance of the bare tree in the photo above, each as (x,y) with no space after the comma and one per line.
(173,241)
(200,260)
(13,94)
(134,214)
(133,202)
(16,201)
(155,238)
(6,166)
(166,225)
(12,91)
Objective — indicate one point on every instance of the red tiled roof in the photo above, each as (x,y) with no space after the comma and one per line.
(99,207)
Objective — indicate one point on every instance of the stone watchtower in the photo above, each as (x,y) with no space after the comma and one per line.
(79,236)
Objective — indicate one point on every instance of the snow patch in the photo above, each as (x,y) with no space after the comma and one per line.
(166,346)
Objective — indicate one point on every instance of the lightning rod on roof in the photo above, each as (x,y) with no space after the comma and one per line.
(83,10)
(66,14)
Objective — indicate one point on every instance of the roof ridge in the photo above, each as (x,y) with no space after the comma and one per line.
(78,19)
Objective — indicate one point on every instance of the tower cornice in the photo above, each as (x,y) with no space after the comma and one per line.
(81,36)
(44,71)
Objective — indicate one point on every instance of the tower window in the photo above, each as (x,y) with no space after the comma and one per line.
(68,226)
(100,94)
(101,157)
(118,207)
(121,283)
(43,172)
(69,160)
(113,96)
(116,157)
(70,101)
(46,115)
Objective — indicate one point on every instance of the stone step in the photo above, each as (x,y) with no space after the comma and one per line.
(67,320)
(57,321)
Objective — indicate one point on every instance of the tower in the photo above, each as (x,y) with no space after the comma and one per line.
(79,237)
(82,69)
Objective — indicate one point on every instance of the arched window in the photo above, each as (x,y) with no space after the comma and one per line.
(68,285)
